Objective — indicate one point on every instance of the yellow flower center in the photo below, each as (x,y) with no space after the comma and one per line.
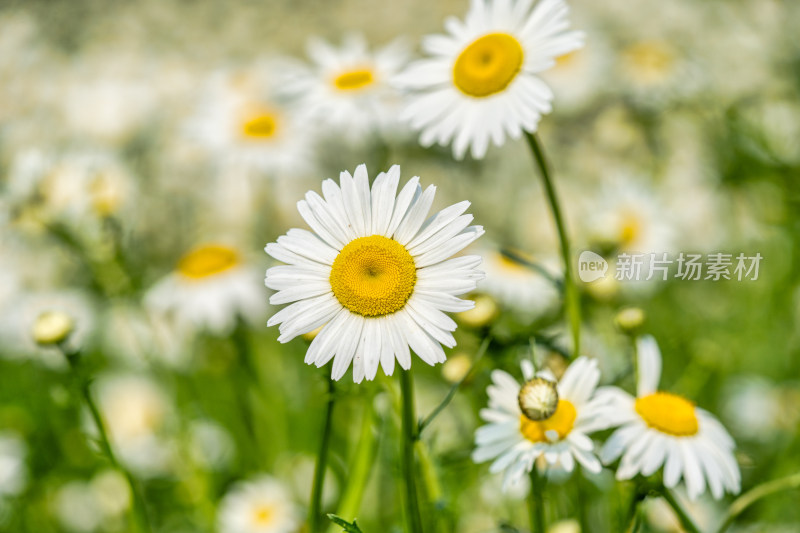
(668,413)
(487,65)
(354,80)
(630,228)
(565,60)
(260,126)
(561,422)
(263,515)
(373,276)
(207,261)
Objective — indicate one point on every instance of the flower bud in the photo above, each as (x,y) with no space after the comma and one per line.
(538,399)
(630,320)
(52,327)
(483,313)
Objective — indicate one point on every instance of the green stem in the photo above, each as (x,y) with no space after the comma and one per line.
(756,493)
(140,517)
(360,468)
(407,456)
(684,517)
(572,300)
(536,502)
(315,509)
(582,498)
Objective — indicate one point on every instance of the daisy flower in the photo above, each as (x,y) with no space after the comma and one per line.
(210,288)
(481,83)
(541,418)
(516,285)
(259,506)
(347,89)
(660,428)
(375,272)
(241,120)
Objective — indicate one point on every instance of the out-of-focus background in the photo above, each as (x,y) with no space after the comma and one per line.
(676,129)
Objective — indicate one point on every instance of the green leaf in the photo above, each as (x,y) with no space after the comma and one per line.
(347,526)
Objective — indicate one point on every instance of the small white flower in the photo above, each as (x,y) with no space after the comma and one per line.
(259,506)
(481,82)
(375,273)
(347,89)
(663,429)
(516,285)
(515,442)
(210,288)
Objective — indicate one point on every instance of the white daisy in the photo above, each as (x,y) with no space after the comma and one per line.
(660,428)
(481,82)
(347,90)
(243,123)
(259,506)
(516,285)
(210,288)
(375,272)
(559,433)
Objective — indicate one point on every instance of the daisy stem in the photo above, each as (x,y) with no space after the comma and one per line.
(315,509)
(753,495)
(536,502)
(572,300)
(409,426)
(684,517)
(140,516)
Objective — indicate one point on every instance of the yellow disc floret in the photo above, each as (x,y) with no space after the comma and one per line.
(488,64)
(263,515)
(373,276)
(260,126)
(560,422)
(668,413)
(207,260)
(354,80)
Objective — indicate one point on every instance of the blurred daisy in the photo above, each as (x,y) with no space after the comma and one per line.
(516,285)
(241,120)
(137,414)
(541,418)
(259,506)
(210,288)
(375,272)
(660,428)
(13,470)
(347,89)
(481,83)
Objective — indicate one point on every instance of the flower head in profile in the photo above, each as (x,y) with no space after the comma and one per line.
(347,88)
(376,272)
(210,288)
(262,505)
(659,428)
(541,418)
(480,82)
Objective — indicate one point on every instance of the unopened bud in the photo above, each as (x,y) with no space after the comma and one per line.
(630,320)
(311,334)
(52,327)
(538,399)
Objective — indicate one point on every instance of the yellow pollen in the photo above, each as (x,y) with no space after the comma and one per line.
(487,65)
(260,126)
(207,261)
(373,276)
(668,413)
(263,515)
(561,422)
(353,80)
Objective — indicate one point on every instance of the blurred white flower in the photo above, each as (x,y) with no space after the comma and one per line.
(138,416)
(211,288)
(242,121)
(559,432)
(211,446)
(347,90)
(481,82)
(660,428)
(13,467)
(89,506)
(377,273)
(262,505)
(753,408)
